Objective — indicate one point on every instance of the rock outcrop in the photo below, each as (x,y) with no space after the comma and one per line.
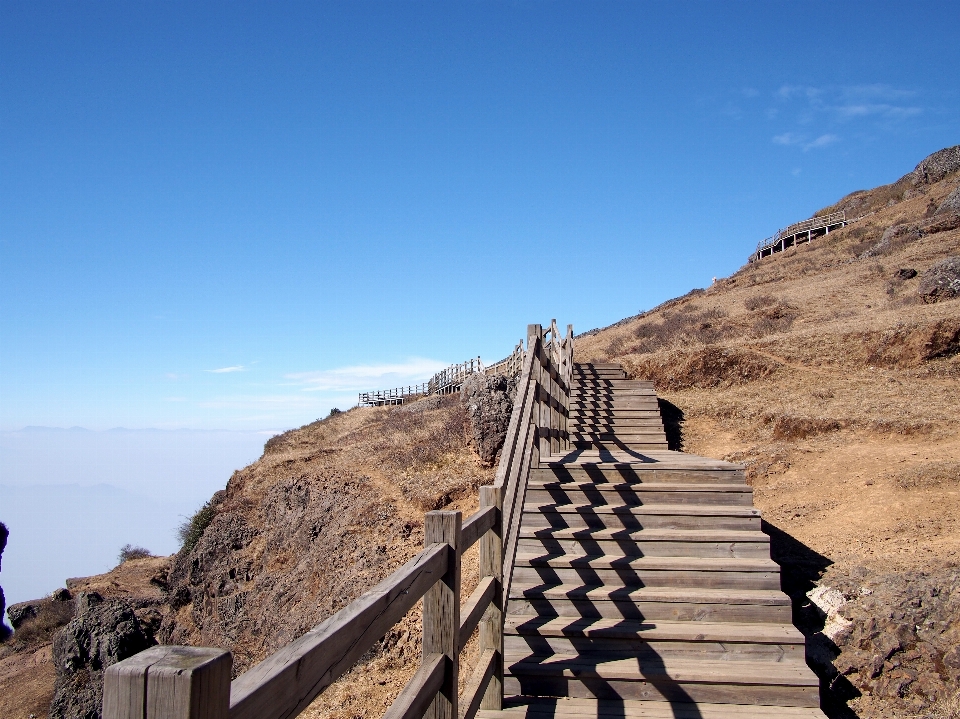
(103,632)
(950,204)
(4,533)
(896,634)
(489,402)
(935,167)
(941,281)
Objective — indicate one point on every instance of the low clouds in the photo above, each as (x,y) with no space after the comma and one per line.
(224,370)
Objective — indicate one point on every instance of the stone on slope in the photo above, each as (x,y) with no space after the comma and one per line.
(103,633)
(941,281)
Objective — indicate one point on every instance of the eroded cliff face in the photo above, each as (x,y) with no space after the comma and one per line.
(327,512)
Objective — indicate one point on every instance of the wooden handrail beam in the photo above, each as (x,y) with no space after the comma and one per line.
(285,683)
(473,693)
(477,525)
(472,612)
(415,699)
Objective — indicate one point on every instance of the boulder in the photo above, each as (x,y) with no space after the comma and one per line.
(906,273)
(103,633)
(489,402)
(22,611)
(4,630)
(941,281)
(950,204)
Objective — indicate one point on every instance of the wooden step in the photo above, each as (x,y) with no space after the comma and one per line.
(728,640)
(631,495)
(678,604)
(645,516)
(562,571)
(619,475)
(617,444)
(670,679)
(645,543)
(525,707)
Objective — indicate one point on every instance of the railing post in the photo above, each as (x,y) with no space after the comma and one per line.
(491,626)
(168,682)
(441,612)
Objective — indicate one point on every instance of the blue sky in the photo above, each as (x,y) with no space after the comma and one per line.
(237,215)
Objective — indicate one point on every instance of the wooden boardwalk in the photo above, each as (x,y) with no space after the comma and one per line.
(617,579)
(643,585)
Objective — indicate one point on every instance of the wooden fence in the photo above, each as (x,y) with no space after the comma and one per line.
(800,232)
(171,682)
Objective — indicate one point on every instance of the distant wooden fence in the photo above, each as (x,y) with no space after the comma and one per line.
(800,232)
(172,682)
(445,381)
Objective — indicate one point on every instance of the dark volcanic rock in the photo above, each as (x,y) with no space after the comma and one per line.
(941,282)
(900,639)
(950,204)
(4,630)
(103,633)
(22,611)
(489,402)
(906,273)
(935,167)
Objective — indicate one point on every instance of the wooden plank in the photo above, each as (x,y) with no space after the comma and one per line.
(472,611)
(441,611)
(473,692)
(285,683)
(491,626)
(479,523)
(413,701)
(169,683)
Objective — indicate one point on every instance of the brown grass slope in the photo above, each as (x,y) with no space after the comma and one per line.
(822,371)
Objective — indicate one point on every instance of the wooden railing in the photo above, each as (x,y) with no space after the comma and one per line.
(397,395)
(449,380)
(172,682)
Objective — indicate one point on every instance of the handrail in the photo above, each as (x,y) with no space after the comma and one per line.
(194,682)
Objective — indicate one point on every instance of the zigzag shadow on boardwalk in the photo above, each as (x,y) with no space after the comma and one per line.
(583,667)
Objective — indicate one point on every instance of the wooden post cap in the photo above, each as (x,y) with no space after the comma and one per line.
(169,682)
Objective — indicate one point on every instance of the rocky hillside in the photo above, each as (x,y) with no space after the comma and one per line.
(328,511)
(833,372)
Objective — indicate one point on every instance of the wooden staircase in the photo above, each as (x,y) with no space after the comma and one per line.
(642,584)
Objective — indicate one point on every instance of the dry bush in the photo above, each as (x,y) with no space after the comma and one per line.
(927,475)
(790,428)
(418,440)
(705,368)
(38,630)
(774,319)
(755,303)
(688,324)
(947,707)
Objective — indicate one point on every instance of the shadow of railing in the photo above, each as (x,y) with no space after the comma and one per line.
(800,568)
(673,420)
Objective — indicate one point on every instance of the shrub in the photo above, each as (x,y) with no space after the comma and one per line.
(334,411)
(128,551)
(755,303)
(191,530)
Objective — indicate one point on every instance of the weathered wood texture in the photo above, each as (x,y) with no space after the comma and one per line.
(441,611)
(491,626)
(415,699)
(169,683)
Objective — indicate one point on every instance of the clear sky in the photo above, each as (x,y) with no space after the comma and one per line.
(235,215)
